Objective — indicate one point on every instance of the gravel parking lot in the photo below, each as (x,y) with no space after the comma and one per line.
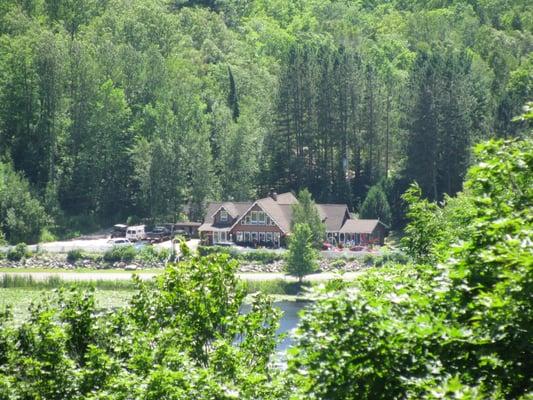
(95,245)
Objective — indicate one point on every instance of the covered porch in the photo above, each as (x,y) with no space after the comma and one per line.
(212,236)
(347,238)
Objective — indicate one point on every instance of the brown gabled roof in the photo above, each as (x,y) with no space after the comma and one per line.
(235,209)
(280,213)
(332,215)
(286,198)
(360,225)
(212,207)
(280,210)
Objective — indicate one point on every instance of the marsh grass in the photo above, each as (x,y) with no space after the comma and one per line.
(19,300)
(55,282)
(272,287)
(277,287)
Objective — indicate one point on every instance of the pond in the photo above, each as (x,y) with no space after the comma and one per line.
(289,321)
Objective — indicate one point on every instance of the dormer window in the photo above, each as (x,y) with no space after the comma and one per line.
(223,216)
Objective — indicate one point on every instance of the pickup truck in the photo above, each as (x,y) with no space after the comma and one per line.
(158,234)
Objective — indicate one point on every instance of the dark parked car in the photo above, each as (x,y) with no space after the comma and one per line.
(158,234)
(119,231)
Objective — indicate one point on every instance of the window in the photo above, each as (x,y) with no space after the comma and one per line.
(247,219)
(223,216)
(276,238)
(261,218)
(254,236)
(254,217)
(262,237)
(246,236)
(239,237)
(268,220)
(269,236)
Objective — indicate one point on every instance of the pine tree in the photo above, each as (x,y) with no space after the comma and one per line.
(233,100)
(306,212)
(376,206)
(301,256)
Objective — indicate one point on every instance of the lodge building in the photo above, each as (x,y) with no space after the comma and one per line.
(267,222)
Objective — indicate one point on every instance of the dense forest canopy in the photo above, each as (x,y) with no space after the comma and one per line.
(148,108)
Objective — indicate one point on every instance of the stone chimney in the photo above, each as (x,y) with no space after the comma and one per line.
(272,193)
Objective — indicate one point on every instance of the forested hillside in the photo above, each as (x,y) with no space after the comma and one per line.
(118,108)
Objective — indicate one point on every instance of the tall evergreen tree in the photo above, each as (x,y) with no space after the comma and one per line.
(376,206)
(233,100)
(306,212)
(301,256)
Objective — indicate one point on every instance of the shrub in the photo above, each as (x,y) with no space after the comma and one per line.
(147,253)
(207,250)
(369,259)
(74,255)
(338,263)
(276,286)
(394,257)
(120,253)
(151,254)
(164,254)
(18,252)
(261,256)
(47,236)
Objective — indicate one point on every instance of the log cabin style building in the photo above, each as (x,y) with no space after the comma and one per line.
(267,222)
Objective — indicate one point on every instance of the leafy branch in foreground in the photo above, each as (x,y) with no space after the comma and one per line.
(185,338)
(458,326)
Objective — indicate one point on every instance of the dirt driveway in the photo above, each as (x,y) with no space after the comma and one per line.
(95,245)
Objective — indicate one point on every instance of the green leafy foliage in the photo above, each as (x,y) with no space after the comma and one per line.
(376,206)
(149,253)
(301,257)
(306,212)
(74,255)
(22,217)
(256,255)
(112,110)
(18,252)
(458,325)
(425,226)
(184,338)
(120,253)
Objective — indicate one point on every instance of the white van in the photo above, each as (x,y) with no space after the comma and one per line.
(135,233)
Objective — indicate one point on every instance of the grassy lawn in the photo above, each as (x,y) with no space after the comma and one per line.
(21,298)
